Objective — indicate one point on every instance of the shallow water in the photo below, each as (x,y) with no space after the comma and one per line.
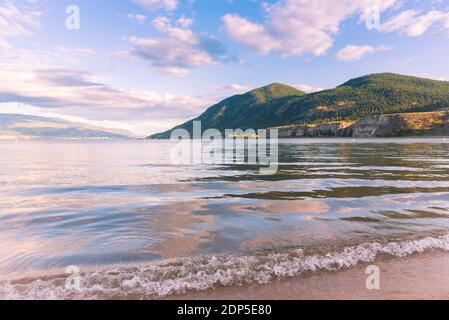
(115,205)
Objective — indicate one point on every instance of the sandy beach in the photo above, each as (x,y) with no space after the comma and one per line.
(417,277)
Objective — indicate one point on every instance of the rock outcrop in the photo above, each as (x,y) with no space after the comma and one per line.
(392,125)
(335,129)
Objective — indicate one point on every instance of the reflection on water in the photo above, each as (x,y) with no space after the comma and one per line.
(93,204)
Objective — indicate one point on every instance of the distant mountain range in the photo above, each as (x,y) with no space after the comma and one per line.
(17,126)
(279,105)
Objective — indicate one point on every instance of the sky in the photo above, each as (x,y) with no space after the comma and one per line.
(147,65)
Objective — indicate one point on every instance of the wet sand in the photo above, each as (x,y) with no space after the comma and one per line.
(416,277)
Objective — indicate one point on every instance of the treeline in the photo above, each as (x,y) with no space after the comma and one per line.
(372,95)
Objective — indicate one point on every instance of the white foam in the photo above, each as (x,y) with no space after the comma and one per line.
(157,280)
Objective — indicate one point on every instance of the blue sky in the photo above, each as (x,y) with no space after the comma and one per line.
(146,65)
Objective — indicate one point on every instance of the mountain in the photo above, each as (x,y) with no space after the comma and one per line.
(17,126)
(247,110)
(376,94)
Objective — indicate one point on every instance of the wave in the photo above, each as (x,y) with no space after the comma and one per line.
(180,276)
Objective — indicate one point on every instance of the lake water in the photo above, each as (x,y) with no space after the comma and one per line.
(138,226)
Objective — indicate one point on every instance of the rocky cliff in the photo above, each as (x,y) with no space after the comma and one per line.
(390,125)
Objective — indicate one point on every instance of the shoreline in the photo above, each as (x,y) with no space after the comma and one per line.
(418,138)
(410,269)
(417,277)
(420,276)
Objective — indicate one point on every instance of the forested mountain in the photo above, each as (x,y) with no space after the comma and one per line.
(280,105)
(249,110)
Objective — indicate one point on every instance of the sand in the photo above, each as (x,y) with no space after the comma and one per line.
(416,277)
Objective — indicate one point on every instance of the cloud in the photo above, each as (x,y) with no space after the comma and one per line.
(15,21)
(294,27)
(413,24)
(4,44)
(254,36)
(169,5)
(231,89)
(59,77)
(355,52)
(140,18)
(79,93)
(307,88)
(49,56)
(237,88)
(185,22)
(180,50)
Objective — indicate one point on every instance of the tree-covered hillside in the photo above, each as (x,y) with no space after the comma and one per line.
(249,110)
(279,105)
(371,95)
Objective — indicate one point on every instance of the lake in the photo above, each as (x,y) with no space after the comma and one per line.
(137,225)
